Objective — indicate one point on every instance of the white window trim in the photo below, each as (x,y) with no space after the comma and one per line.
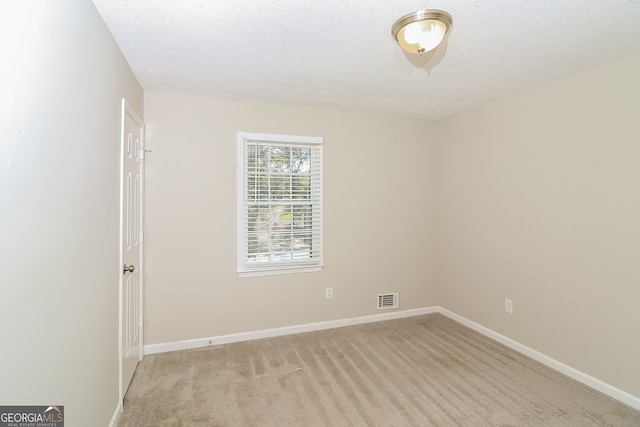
(242,269)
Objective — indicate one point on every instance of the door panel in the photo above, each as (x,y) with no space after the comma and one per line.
(131,227)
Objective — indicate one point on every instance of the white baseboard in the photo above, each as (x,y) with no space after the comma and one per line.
(287,330)
(116,415)
(588,380)
(580,376)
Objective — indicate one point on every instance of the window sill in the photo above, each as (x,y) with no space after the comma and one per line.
(274,271)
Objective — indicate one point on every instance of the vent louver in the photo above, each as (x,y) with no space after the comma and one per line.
(388,300)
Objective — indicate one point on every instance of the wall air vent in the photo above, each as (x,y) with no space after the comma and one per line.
(388,300)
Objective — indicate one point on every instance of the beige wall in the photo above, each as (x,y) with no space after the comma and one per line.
(62,81)
(532,198)
(538,201)
(378,191)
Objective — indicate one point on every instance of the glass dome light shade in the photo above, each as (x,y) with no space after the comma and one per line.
(421,31)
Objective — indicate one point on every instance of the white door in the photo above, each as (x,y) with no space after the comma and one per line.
(131,197)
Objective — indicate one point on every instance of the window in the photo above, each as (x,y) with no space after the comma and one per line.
(279,203)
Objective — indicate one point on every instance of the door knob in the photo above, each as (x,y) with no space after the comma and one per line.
(129,268)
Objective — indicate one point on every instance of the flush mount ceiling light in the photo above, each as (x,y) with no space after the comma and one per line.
(421,31)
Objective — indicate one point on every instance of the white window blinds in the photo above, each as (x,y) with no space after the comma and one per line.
(279,203)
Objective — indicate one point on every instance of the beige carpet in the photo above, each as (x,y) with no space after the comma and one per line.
(419,371)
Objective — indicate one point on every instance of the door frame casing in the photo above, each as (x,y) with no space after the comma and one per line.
(127,109)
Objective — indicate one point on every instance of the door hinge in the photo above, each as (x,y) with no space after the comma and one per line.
(141,323)
(142,153)
(141,237)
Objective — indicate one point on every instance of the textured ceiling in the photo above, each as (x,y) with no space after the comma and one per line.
(340,53)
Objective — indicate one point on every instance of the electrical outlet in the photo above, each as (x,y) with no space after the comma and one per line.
(508,306)
(328,293)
